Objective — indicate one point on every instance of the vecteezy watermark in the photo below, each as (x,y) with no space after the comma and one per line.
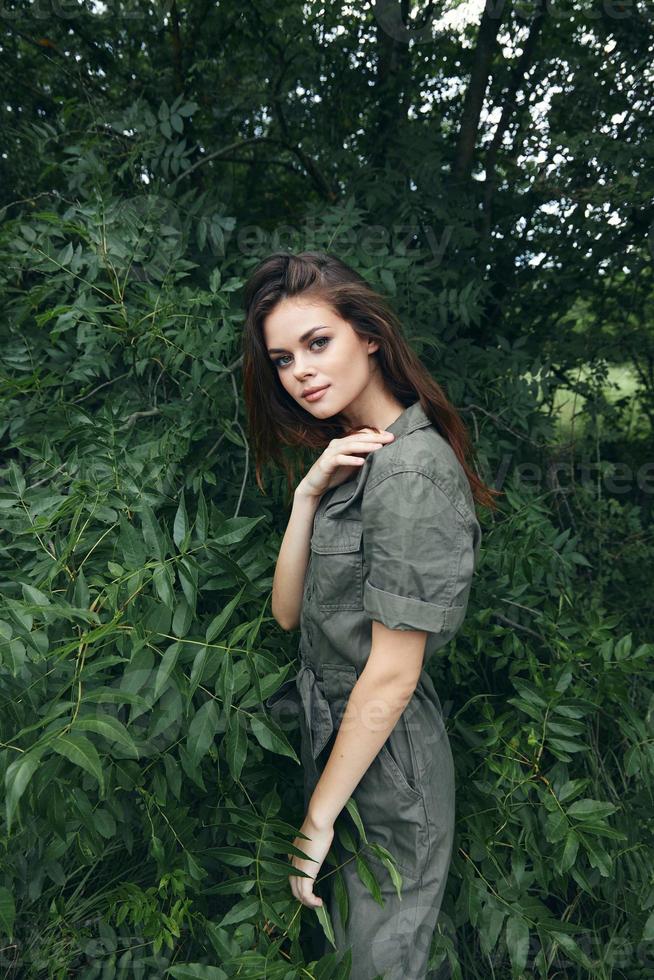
(620,953)
(151,218)
(589,474)
(371,240)
(32,954)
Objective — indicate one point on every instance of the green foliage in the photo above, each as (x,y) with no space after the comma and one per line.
(149,801)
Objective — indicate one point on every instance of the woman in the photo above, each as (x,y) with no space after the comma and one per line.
(375,568)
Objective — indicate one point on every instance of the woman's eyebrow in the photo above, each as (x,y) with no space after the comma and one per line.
(305,336)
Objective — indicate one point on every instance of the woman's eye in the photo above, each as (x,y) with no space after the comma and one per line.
(278,360)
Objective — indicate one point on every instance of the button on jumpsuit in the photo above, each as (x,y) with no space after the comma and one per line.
(397,543)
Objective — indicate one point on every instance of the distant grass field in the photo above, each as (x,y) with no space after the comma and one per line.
(621,383)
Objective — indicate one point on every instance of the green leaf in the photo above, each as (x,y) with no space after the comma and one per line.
(104,823)
(196,971)
(623,647)
(163,583)
(197,670)
(590,809)
(566,745)
(188,108)
(81,594)
(234,529)
(110,695)
(180,525)
(201,518)
(597,856)
(571,788)
(110,728)
(16,478)
(7,913)
(268,734)
(517,942)
(187,572)
(492,920)
(166,667)
(340,894)
(35,596)
(152,533)
(131,544)
(236,746)
(235,857)
(219,622)
(202,730)
(353,810)
(17,777)
(182,617)
(388,280)
(569,855)
(243,910)
(324,918)
(574,951)
(81,752)
(137,673)
(368,878)
(528,692)
(173,774)
(389,863)
(66,254)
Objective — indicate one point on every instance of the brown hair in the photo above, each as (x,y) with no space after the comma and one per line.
(276,420)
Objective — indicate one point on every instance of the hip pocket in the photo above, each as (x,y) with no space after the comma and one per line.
(398,756)
(393,812)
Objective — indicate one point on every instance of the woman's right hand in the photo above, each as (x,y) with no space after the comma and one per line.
(338,461)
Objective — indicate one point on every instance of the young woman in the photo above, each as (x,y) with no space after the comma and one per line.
(375,568)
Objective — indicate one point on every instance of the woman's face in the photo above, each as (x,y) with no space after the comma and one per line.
(311,347)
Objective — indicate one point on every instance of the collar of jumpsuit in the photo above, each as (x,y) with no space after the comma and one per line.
(367,526)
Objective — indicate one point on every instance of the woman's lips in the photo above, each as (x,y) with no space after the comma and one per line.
(317,394)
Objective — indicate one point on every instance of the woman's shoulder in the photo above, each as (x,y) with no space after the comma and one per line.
(423,451)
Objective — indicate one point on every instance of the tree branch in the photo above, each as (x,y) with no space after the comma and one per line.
(489,26)
(176,38)
(217,154)
(516,80)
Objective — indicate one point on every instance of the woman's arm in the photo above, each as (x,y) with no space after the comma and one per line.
(336,464)
(380,695)
(292,561)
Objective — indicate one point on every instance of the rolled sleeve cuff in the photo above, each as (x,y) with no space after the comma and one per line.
(399,612)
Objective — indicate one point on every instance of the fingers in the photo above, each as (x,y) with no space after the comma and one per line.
(304,893)
(302,889)
(383,436)
(360,444)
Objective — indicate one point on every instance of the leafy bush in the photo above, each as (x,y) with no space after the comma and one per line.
(149,800)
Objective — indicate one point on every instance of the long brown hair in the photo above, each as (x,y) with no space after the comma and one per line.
(275,419)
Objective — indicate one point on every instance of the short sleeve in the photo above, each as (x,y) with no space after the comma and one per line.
(420,553)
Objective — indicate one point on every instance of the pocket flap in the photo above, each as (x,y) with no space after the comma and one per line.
(336,537)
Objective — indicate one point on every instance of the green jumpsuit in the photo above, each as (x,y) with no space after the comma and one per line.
(397,543)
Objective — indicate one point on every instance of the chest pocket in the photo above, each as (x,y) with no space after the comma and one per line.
(337,563)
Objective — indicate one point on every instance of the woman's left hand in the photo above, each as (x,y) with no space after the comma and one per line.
(317,848)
